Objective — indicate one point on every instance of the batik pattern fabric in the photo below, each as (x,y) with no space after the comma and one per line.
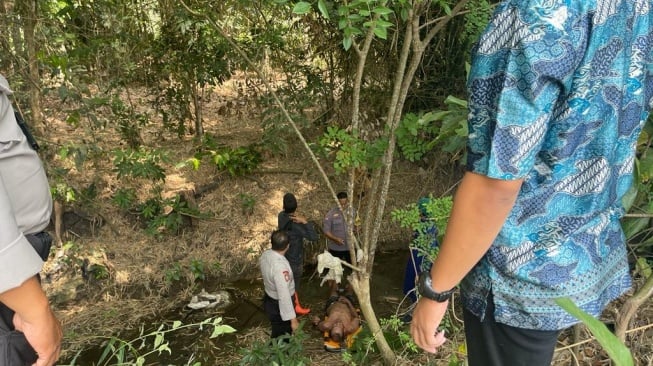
(558,94)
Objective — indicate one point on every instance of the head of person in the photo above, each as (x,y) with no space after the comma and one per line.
(338,331)
(342,199)
(279,240)
(289,203)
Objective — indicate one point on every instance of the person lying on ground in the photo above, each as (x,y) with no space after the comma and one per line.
(341,319)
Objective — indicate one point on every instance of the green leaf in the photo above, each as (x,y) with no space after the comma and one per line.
(381,32)
(176,324)
(629,198)
(382,11)
(222,329)
(633,226)
(346,43)
(646,167)
(158,339)
(404,13)
(617,351)
(383,23)
(321,5)
(301,8)
(457,101)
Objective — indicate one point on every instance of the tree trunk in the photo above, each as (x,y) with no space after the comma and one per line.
(29,11)
(5,61)
(58,222)
(198,94)
(361,284)
(16,44)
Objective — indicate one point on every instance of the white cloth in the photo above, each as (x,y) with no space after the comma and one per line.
(326,260)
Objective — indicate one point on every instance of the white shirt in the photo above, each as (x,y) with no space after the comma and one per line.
(25,201)
(278,281)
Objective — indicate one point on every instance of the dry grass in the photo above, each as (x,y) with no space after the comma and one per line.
(232,239)
(229,242)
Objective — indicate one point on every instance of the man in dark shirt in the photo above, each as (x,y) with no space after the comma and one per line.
(298,229)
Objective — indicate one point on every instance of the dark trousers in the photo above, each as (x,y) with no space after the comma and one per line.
(14,348)
(494,344)
(271,308)
(297,272)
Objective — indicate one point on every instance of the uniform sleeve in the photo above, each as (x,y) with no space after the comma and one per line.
(521,69)
(311,234)
(282,277)
(282,220)
(326,224)
(18,260)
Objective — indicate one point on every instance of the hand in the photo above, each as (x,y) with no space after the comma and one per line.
(298,219)
(426,318)
(43,335)
(294,324)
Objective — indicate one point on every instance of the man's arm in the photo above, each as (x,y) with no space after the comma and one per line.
(306,227)
(35,319)
(481,206)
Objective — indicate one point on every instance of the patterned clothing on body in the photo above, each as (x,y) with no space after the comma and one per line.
(558,93)
(278,281)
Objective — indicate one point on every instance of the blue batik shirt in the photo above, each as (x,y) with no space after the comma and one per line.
(558,94)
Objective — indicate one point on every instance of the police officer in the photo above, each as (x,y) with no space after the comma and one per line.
(29,332)
(278,301)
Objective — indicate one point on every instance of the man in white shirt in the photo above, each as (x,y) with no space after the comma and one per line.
(278,301)
(25,209)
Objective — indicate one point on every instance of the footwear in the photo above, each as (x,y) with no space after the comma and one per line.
(299,310)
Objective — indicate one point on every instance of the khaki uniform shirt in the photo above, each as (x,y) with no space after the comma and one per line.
(278,281)
(25,202)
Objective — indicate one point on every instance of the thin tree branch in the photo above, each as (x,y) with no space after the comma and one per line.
(269,89)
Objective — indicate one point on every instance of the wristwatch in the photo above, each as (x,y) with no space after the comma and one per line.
(424,287)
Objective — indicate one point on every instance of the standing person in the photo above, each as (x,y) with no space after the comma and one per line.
(425,240)
(335,229)
(298,229)
(279,286)
(558,94)
(29,331)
